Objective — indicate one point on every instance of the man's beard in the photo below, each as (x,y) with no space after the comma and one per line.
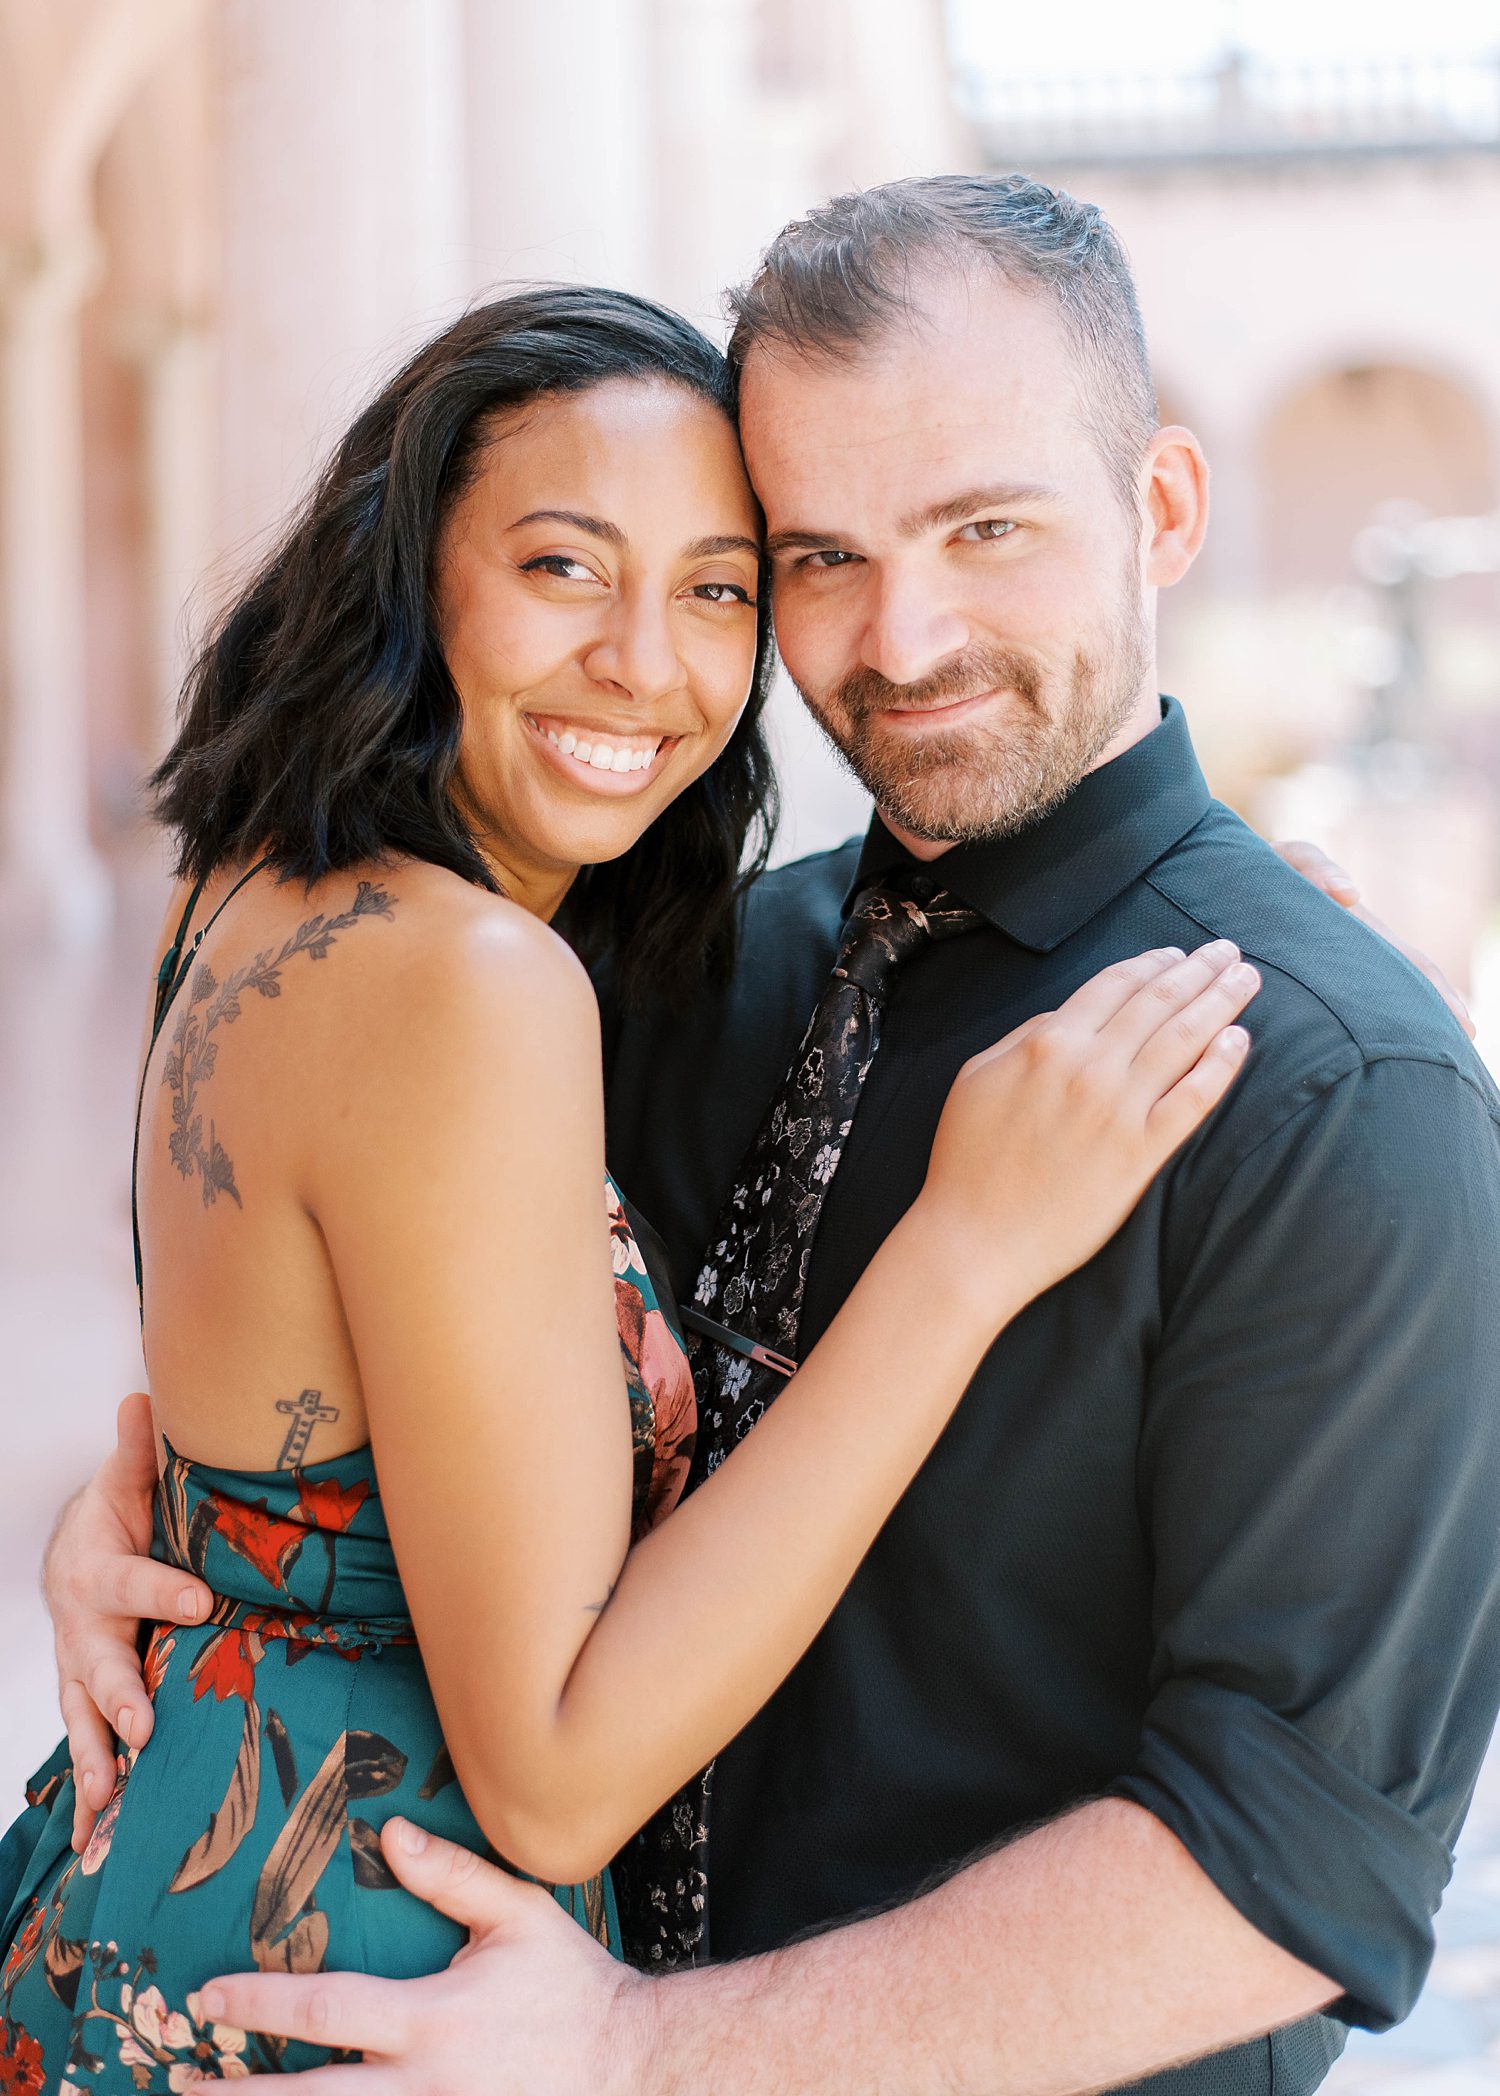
(974,781)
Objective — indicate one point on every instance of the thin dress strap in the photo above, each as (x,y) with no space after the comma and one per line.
(170,977)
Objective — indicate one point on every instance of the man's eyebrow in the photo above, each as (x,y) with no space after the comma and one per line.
(596,527)
(958,509)
(955,509)
(800,541)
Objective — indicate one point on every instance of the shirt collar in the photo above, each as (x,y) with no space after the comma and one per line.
(1043,884)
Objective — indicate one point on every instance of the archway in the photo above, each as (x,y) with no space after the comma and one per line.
(1347,442)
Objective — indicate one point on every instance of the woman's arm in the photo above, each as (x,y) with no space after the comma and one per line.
(460,1191)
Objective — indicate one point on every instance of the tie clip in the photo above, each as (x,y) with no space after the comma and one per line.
(737,1343)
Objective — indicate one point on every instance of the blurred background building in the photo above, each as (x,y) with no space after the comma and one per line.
(222,222)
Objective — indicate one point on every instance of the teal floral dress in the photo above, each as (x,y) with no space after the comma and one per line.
(246,1832)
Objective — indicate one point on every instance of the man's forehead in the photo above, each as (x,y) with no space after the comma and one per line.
(976,320)
(981,381)
(972,331)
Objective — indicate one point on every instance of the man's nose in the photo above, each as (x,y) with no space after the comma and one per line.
(911,630)
(637,650)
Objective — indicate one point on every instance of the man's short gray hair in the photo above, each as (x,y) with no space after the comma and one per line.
(844,273)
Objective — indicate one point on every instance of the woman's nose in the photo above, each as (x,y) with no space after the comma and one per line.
(637,651)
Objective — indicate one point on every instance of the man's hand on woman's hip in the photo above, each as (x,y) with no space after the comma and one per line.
(100,1583)
(531,2006)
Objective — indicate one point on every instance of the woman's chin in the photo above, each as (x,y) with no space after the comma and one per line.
(580,837)
(579,815)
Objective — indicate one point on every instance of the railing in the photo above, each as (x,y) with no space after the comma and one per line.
(1244,109)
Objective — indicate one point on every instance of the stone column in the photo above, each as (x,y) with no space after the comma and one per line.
(178,369)
(561,106)
(728,147)
(51,878)
(343,226)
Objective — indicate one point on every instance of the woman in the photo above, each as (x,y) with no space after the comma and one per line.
(507,667)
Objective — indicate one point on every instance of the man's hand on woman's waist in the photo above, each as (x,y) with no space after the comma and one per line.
(100,1584)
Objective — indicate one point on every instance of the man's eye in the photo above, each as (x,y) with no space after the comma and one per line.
(987,529)
(827,557)
(558,564)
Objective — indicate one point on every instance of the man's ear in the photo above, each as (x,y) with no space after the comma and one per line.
(1174,491)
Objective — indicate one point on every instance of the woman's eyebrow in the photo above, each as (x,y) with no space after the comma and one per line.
(601,528)
(596,527)
(724,542)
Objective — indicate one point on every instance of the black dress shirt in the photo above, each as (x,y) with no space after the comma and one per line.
(1216,1527)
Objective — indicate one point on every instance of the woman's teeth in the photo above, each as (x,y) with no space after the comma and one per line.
(601,756)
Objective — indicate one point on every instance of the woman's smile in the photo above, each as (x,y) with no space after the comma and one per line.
(600,760)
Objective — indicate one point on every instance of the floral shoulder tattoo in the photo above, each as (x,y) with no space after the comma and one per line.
(211,1004)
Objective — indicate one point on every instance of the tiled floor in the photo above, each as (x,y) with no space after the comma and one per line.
(68,1350)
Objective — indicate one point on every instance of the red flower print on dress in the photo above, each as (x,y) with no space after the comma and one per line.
(290,1631)
(158,1652)
(25,1947)
(21,2066)
(326,1505)
(226,1665)
(264,1541)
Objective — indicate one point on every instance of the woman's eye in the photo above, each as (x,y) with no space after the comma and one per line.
(723,593)
(987,529)
(560,565)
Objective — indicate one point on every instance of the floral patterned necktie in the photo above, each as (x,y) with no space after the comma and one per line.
(749,1298)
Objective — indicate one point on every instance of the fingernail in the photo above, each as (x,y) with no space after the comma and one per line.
(188,1604)
(409,1837)
(1234,1040)
(1242,975)
(1218,950)
(211,2001)
(123,1724)
(1173,953)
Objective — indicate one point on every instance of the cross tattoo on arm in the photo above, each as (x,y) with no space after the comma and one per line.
(307,1411)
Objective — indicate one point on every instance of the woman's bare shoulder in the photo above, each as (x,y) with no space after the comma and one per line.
(456,955)
(446,957)
(454,922)
(467,1022)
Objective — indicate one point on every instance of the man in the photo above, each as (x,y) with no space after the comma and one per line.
(1144,1733)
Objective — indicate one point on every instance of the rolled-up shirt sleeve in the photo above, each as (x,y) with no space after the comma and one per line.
(1320,1478)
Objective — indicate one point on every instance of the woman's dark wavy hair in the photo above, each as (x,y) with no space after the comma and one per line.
(320,724)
